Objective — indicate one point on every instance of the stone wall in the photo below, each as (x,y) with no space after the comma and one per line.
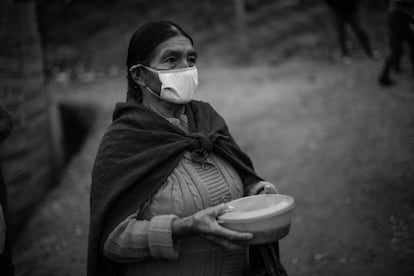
(29,157)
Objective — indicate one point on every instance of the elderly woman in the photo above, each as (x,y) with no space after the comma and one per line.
(164,171)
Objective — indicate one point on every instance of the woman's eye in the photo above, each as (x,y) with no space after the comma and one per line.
(191,61)
(171,60)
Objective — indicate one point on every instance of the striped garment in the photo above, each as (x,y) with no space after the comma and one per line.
(144,242)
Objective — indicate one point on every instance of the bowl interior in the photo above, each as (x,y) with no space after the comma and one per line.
(258,206)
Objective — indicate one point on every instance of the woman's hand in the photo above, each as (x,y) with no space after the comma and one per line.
(205,224)
(262,187)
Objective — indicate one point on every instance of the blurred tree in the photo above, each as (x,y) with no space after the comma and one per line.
(240,9)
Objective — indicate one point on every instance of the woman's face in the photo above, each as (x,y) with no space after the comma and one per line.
(174,53)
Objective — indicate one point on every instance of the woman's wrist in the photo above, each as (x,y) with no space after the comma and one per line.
(181,227)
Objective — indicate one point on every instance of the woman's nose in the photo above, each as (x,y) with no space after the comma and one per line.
(183,64)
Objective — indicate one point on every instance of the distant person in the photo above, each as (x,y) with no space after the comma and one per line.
(401,30)
(347,13)
(164,171)
(6,264)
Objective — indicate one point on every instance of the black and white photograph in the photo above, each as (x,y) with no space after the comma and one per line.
(207,138)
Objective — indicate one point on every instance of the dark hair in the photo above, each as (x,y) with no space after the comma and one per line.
(141,48)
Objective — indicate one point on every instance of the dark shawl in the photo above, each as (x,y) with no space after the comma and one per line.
(137,154)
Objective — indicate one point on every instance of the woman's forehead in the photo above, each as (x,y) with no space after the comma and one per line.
(175,44)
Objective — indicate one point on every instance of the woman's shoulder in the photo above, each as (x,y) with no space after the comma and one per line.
(206,117)
(200,104)
(126,108)
(202,107)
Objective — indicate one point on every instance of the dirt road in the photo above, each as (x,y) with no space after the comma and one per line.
(325,134)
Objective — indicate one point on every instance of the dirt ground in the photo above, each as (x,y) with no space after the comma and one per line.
(324,133)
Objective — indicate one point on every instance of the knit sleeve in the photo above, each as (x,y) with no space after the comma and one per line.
(161,243)
(136,240)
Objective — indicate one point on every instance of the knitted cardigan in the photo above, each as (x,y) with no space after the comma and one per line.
(137,154)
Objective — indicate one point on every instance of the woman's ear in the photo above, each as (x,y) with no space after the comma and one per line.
(136,74)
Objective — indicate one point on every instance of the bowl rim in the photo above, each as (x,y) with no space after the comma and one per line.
(222,218)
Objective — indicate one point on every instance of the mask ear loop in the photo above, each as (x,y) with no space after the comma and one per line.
(152,92)
(146,85)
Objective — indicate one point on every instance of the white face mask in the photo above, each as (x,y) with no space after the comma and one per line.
(177,85)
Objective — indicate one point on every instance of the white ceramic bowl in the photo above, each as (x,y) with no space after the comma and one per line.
(266,216)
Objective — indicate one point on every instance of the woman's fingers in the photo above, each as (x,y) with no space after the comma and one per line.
(214,228)
(221,209)
(269,188)
(229,234)
(223,242)
(255,189)
(205,223)
(262,187)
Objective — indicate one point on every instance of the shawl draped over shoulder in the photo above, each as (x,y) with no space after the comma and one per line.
(137,154)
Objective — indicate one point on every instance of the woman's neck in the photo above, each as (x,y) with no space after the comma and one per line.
(163,108)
